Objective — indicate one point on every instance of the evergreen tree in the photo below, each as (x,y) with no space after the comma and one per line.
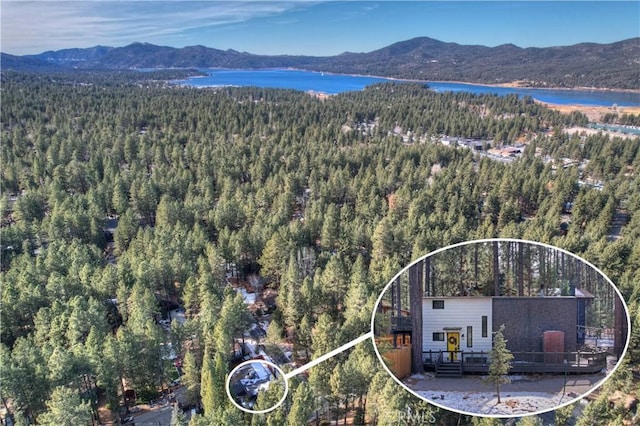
(302,407)
(500,358)
(177,417)
(272,261)
(191,377)
(212,387)
(65,408)
(486,421)
(323,342)
(292,301)
(563,414)
(530,421)
(234,320)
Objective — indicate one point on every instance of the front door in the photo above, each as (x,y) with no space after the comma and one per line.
(453,344)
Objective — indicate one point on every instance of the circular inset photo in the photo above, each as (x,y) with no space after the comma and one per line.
(500,328)
(257,386)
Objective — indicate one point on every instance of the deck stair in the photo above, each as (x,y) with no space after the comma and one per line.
(448,369)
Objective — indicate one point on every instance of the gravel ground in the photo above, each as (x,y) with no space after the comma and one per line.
(524,395)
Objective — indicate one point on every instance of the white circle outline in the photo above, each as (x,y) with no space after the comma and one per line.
(246,410)
(490,240)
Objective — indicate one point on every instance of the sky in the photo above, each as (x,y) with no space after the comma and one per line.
(309,27)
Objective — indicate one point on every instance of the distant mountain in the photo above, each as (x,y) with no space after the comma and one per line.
(145,55)
(74,57)
(24,63)
(614,65)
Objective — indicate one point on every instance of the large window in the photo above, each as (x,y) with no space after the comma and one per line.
(438,337)
(469,336)
(438,304)
(484,326)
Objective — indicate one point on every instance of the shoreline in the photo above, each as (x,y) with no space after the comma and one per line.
(515,84)
(593,112)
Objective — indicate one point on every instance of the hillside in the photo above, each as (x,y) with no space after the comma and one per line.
(587,64)
(615,65)
(27,64)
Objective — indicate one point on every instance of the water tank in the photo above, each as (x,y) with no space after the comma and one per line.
(552,344)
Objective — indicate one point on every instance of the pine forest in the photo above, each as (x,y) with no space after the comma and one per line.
(274,217)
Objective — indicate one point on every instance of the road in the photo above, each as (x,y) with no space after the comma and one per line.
(158,416)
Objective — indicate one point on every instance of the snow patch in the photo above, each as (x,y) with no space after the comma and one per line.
(249,298)
(487,402)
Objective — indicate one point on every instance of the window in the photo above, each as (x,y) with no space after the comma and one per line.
(438,304)
(438,337)
(469,336)
(484,326)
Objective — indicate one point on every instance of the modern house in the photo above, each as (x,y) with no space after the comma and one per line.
(455,333)
(449,322)
(467,323)
(249,380)
(453,324)
(542,332)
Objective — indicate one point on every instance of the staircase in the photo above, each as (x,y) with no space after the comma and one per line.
(448,369)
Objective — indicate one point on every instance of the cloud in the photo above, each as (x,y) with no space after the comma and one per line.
(32,27)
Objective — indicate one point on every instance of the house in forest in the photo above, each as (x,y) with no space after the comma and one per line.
(473,319)
(447,306)
(460,329)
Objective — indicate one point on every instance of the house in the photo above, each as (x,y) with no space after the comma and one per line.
(248,380)
(445,322)
(460,329)
(506,151)
(476,144)
(454,324)
(467,323)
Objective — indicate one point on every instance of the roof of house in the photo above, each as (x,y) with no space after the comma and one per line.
(582,293)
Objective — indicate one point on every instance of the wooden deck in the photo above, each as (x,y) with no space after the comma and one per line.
(525,362)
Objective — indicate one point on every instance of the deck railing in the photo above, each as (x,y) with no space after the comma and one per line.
(523,362)
(401,324)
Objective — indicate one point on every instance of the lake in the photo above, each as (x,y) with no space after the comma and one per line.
(338,83)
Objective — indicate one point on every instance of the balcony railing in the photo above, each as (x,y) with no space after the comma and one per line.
(401,324)
(523,362)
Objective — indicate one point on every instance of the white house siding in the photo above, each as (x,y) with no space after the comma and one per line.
(458,312)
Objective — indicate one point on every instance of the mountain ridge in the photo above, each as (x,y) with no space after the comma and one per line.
(612,65)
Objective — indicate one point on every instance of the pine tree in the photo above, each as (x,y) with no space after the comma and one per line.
(234,320)
(563,414)
(212,387)
(530,421)
(304,336)
(343,381)
(486,421)
(191,377)
(65,408)
(500,361)
(292,308)
(356,316)
(302,407)
(323,342)
(177,417)
(272,261)
(330,228)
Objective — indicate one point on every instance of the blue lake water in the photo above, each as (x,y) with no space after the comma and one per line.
(338,83)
